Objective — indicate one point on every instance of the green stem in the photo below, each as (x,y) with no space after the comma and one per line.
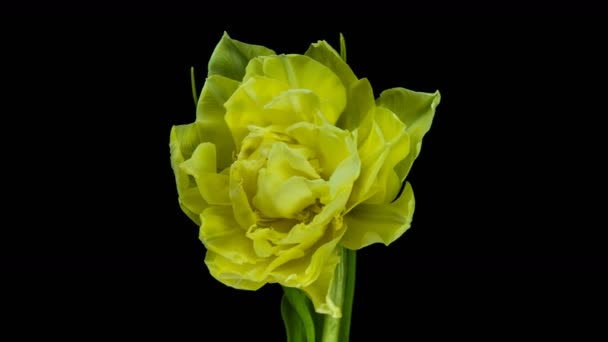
(342,293)
(303,324)
(349,293)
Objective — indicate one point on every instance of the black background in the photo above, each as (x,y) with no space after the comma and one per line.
(509,184)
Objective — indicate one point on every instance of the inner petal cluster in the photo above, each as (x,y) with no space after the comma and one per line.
(286,190)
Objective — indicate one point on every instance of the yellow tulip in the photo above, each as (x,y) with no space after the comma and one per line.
(289,160)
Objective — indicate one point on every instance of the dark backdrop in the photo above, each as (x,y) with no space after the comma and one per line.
(509,184)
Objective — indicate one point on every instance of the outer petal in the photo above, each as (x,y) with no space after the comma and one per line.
(182,142)
(371,223)
(360,97)
(202,166)
(323,53)
(386,144)
(322,257)
(360,103)
(221,234)
(416,110)
(319,290)
(230,57)
(398,146)
(210,114)
(298,269)
(240,276)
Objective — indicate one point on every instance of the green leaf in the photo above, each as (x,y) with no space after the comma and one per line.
(416,110)
(293,325)
(193,84)
(230,57)
(342,47)
(349,258)
(299,313)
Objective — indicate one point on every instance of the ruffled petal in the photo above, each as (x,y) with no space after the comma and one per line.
(293,105)
(397,144)
(371,223)
(331,144)
(416,110)
(385,144)
(360,102)
(323,53)
(247,103)
(210,114)
(230,57)
(243,175)
(323,266)
(240,276)
(221,234)
(303,72)
(202,166)
(288,184)
(182,142)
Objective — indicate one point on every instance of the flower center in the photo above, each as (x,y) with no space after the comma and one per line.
(288,184)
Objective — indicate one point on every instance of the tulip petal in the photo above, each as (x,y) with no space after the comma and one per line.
(230,57)
(303,266)
(202,166)
(373,152)
(288,184)
(385,145)
(210,114)
(239,276)
(182,142)
(329,142)
(398,146)
(303,72)
(318,292)
(416,110)
(293,105)
(323,53)
(294,268)
(265,240)
(221,234)
(324,270)
(360,103)
(243,175)
(286,199)
(247,102)
(372,223)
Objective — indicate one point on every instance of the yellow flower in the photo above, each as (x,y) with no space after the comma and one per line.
(290,159)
